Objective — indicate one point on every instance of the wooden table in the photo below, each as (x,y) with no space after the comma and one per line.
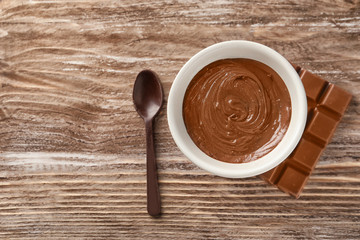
(72,148)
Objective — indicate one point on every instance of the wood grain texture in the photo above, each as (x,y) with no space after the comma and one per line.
(72,148)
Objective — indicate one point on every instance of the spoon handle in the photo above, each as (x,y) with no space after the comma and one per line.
(153,194)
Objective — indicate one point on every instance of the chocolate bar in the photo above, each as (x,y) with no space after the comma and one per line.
(327,104)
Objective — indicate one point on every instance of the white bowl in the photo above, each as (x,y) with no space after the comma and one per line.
(237,49)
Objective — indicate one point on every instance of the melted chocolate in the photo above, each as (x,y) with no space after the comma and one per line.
(237,110)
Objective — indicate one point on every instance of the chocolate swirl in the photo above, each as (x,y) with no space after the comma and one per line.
(236,110)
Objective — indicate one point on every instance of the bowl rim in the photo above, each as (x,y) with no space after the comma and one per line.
(285,146)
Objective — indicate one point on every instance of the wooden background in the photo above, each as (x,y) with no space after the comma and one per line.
(72,148)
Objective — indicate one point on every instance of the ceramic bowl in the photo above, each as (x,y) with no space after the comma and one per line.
(237,49)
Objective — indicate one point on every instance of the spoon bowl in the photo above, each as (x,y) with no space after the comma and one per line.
(147,94)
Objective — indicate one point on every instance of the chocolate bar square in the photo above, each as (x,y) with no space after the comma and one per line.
(291,180)
(336,99)
(321,126)
(307,153)
(313,84)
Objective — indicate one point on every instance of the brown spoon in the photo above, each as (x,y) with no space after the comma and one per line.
(148,99)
